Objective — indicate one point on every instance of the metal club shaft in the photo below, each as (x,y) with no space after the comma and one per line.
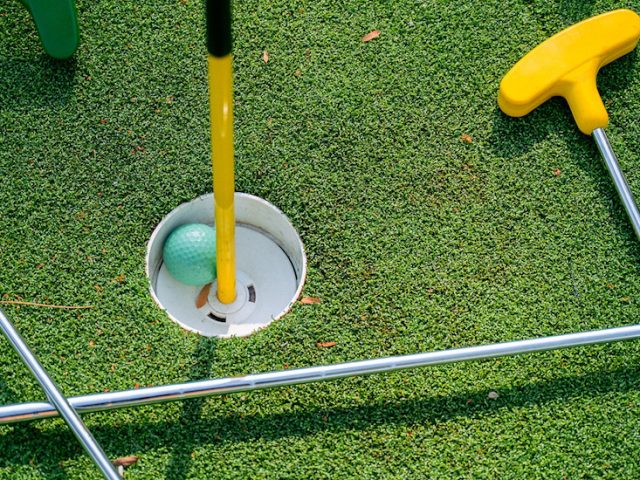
(622,187)
(58,401)
(145,396)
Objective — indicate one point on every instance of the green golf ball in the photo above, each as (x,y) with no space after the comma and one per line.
(189,254)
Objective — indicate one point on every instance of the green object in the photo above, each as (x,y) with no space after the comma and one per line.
(189,254)
(57,25)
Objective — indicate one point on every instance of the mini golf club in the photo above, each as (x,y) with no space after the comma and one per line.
(565,65)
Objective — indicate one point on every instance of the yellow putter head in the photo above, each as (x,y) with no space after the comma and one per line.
(566,65)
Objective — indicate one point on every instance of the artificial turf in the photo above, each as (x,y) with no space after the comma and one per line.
(417,239)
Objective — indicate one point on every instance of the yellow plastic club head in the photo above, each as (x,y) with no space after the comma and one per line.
(566,65)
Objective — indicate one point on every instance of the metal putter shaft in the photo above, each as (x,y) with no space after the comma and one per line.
(622,187)
(58,400)
(566,65)
(260,381)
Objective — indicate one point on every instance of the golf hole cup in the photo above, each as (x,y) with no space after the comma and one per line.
(270,261)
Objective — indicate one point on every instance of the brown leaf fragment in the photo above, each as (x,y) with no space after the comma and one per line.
(371,35)
(201,300)
(310,300)
(298,72)
(125,461)
(466,138)
(40,265)
(325,344)
(120,278)
(557,172)
(265,56)
(92,343)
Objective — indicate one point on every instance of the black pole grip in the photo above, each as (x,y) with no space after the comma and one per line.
(218,27)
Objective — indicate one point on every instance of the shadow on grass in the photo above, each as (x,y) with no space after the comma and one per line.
(178,466)
(193,431)
(35,83)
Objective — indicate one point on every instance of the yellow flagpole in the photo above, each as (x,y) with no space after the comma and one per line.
(222,159)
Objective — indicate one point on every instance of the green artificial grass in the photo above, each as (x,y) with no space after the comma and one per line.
(417,240)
